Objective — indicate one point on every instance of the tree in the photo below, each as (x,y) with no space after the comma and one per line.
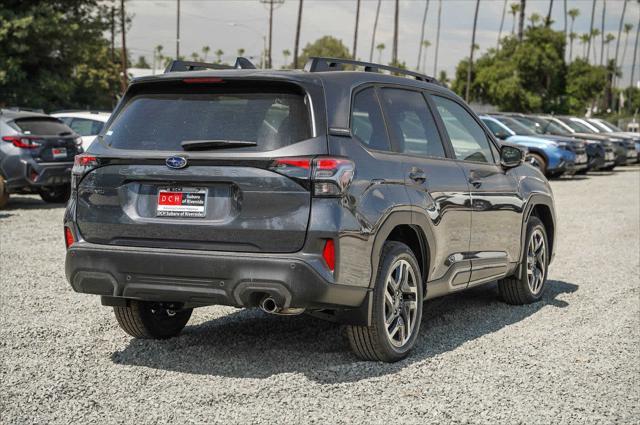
(195,57)
(595,34)
(523,4)
(444,78)
(534,19)
(142,63)
(573,14)
(158,57)
(425,44)
(54,55)
(504,10)
(593,13)
(547,20)
(620,26)
(241,52)
(514,9)
(584,40)
(635,55)
(422,40)
(218,54)
(473,47)
(602,38)
(373,33)
(380,47)
(627,29)
(585,82)
(607,40)
(326,46)
(205,52)
(286,53)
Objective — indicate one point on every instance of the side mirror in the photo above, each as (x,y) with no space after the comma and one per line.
(511,156)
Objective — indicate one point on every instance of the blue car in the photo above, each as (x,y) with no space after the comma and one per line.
(551,157)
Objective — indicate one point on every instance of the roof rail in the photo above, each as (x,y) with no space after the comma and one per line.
(319,64)
(178,65)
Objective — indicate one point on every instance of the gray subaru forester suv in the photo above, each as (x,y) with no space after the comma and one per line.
(338,190)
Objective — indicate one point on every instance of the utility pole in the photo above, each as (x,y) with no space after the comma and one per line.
(424,19)
(271,4)
(394,51)
(355,33)
(178,32)
(435,59)
(473,47)
(297,42)
(123,50)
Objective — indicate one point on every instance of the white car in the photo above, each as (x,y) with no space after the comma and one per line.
(87,124)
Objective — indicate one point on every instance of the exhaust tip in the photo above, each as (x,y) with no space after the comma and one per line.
(268,305)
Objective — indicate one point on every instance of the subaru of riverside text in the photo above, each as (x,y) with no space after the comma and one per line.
(350,191)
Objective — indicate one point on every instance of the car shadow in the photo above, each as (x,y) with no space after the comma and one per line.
(30,203)
(252,344)
(564,178)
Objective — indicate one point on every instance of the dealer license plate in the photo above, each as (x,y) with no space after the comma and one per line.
(182,202)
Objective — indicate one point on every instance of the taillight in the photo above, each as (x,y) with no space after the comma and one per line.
(329,254)
(68,237)
(82,164)
(22,142)
(329,176)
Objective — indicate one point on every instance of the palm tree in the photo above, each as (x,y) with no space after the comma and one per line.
(473,45)
(593,12)
(635,55)
(515,8)
(607,40)
(205,52)
(572,36)
(620,26)
(504,10)
(627,30)
(573,14)
(425,44)
(195,57)
(595,33)
(380,47)
(604,12)
(565,18)
(375,27)
(241,52)
(523,4)
(435,58)
(219,54)
(297,41)
(547,20)
(584,40)
(158,58)
(534,19)
(355,32)
(286,53)
(424,19)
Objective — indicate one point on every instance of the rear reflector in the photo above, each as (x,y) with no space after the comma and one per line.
(329,254)
(68,237)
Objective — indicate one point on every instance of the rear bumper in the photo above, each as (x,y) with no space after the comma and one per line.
(198,278)
(31,174)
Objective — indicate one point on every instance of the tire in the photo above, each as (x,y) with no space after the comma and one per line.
(537,161)
(375,342)
(56,194)
(517,289)
(4,193)
(149,320)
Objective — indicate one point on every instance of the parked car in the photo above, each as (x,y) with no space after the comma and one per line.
(621,145)
(88,124)
(36,155)
(602,126)
(349,195)
(600,149)
(553,157)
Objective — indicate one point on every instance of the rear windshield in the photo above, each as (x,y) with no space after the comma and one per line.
(41,126)
(163,121)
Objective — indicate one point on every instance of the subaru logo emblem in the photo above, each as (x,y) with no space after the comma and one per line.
(176,162)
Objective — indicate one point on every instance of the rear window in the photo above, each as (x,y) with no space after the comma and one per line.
(41,126)
(164,121)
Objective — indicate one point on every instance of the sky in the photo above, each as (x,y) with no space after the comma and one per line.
(233,24)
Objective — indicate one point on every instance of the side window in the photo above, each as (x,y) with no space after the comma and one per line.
(367,123)
(96,127)
(411,123)
(493,126)
(82,126)
(469,140)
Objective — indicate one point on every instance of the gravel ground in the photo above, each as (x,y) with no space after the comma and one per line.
(572,358)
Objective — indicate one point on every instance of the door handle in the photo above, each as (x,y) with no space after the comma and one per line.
(417,175)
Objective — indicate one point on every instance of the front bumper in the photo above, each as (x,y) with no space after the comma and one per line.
(197,278)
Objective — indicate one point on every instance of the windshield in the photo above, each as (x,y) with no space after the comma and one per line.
(576,126)
(41,126)
(609,126)
(164,121)
(516,127)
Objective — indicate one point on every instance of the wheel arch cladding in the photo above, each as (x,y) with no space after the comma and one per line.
(413,237)
(543,212)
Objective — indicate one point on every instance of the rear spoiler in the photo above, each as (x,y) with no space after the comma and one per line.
(180,66)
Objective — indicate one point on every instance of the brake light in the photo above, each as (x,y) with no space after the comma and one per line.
(330,176)
(329,254)
(68,237)
(22,142)
(82,164)
(203,80)
(85,160)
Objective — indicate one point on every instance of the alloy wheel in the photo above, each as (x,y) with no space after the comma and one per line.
(536,261)
(400,303)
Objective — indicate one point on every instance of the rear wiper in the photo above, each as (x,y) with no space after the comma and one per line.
(192,145)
